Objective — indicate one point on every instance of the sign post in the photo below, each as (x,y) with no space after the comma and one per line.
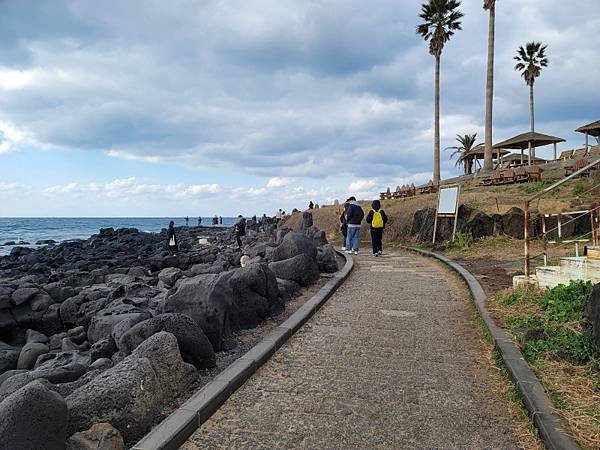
(447,206)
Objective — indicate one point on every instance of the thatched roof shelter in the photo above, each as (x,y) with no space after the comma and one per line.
(529,140)
(591,129)
(517,158)
(473,156)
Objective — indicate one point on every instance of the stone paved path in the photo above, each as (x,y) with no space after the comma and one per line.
(391,361)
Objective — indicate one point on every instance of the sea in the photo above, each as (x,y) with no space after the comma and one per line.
(32,230)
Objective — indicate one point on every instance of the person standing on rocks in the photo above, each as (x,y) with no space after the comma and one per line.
(240,230)
(377,219)
(344,226)
(354,217)
(172,239)
(311,205)
(199,220)
(278,217)
(220,220)
(187,221)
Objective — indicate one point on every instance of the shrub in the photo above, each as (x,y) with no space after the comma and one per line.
(461,241)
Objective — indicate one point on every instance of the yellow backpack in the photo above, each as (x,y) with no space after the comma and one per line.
(377,221)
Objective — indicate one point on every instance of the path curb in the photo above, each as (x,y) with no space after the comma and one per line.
(551,427)
(172,432)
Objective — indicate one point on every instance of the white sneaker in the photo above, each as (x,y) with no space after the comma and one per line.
(355,252)
(343,249)
(349,252)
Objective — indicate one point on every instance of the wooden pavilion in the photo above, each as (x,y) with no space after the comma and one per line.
(530,140)
(591,129)
(471,158)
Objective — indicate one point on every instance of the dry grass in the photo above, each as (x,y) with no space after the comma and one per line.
(572,388)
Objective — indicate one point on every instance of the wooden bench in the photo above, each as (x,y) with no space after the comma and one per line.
(534,173)
(521,175)
(508,177)
(577,165)
(497,178)
(580,153)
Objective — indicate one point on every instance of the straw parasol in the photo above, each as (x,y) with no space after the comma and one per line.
(516,157)
(592,129)
(478,152)
(529,140)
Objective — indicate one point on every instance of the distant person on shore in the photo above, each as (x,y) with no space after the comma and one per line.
(354,217)
(278,216)
(220,220)
(172,239)
(240,230)
(187,221)
(264,222)
(344,226)
(377,219)
(215,221)
(310,205)
(199,220)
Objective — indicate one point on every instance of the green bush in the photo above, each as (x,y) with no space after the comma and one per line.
(537,186)
(562,311)
(461,241)
(579,190)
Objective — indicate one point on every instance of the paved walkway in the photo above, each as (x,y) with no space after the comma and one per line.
(391,361)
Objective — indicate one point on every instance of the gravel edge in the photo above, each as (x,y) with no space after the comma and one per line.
(551,427)
(172,432)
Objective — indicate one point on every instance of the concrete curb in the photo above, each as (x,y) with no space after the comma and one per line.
(551,427)
(172,432)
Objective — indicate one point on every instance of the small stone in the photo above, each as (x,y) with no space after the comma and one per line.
(101,436)
(29,354)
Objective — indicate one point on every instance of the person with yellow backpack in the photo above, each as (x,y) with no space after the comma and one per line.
(377,219)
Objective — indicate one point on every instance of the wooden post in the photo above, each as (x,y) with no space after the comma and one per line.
(555,151)
(526,236)
(529,155)
(522,150)
(587,145)
(559,223)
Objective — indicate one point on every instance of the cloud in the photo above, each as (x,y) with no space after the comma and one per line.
(276,182)
(297,92)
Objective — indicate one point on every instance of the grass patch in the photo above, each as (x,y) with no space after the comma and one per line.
(532,188)
(461,242)
(558,344)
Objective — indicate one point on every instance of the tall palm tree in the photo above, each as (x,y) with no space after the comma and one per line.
(489,5)
(530,60)
(466,144)
(441,18)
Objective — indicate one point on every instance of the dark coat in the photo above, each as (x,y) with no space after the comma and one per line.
(383,216)
(355,214)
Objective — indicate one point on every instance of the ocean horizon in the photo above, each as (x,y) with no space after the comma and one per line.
(27,231)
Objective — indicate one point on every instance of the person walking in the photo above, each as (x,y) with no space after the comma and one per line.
(187,221)
(220,220)
(344,226)
(172,239)
(199,220)
(377,219)
(240,230)
(354,217)
(278,217)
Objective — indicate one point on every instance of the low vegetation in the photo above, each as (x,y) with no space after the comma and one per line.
(558,343)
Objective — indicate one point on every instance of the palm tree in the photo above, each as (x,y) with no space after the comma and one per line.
(530,61)
(441,18)
(489,5)
(467,142)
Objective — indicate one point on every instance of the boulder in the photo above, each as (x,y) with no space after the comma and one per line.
(170,275)
(101,436)
(193,344)
(294,244)
(513,223)
(592,312)
(104,348)
(481,225)
(307,220)
(287,288)
(422,224)
(33,418)
(301,268)
(9,356)
(23,295)
(35,336)
(255,295)
(29,354)
(131,394)
(326,258)
(208,300)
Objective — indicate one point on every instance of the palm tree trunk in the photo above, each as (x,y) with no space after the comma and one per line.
(436,142)
(532,120)
(489,92)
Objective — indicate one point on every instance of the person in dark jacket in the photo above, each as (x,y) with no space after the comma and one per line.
(344,226)
(172,239)
(240,230)
(377,219)
(354,217)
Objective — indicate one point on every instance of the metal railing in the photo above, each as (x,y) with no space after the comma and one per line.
(594,216)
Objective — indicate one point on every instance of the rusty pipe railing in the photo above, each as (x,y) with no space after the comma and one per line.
(527,227)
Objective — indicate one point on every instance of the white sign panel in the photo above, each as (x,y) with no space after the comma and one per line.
(448,200)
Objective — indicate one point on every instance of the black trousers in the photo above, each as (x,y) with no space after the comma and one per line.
(376,237)
(238,238)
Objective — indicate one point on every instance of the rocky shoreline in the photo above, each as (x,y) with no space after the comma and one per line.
(106,332)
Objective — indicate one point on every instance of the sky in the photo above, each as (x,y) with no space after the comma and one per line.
(154,108)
